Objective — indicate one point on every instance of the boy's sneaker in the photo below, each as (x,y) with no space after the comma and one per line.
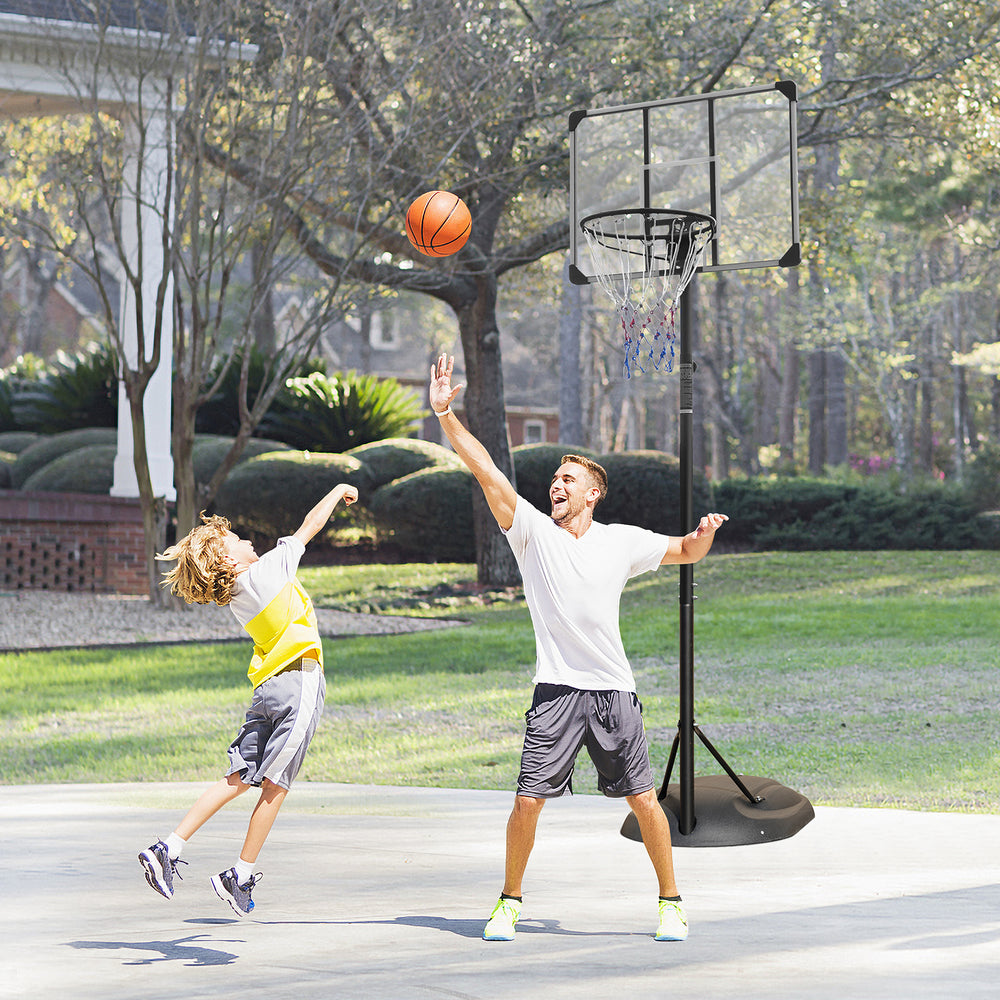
(159,868)
(500,926)
(229,890)
(673,922)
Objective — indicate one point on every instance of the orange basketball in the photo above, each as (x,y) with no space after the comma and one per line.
(438,223)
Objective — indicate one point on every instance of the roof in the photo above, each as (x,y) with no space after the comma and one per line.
(134,14)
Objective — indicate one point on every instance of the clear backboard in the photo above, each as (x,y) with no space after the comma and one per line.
(728,154)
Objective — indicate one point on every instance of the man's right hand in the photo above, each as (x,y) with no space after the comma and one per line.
(441,392)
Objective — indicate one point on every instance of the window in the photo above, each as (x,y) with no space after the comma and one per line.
(534,431)
(383,334)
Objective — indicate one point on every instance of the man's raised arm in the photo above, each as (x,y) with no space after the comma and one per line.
(499,493)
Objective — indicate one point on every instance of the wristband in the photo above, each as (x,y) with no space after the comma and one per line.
(442,413)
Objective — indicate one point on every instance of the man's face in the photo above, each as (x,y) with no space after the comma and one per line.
(239,551)
(568,492)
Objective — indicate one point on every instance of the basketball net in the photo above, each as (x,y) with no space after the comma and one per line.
(644,259)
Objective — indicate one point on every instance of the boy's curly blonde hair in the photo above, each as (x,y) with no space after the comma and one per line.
(202,574)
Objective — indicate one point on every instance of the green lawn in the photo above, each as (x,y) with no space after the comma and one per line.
(856,678)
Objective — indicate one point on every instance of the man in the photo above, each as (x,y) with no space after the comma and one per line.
(574,570)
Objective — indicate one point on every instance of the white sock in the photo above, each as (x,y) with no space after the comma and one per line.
(175,845)
(244,871)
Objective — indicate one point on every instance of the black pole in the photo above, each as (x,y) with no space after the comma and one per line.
(685,724)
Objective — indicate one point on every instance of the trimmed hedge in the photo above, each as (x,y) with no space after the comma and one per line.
(534,465)
(429,514)
(395,458)
(7,460)
(84,470)
(210,449)
(644,488)
(48,449)
(982,477)
(270,494)
(17,441)
(812,514)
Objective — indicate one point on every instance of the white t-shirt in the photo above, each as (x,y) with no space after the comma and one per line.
(573,588)
(257,586)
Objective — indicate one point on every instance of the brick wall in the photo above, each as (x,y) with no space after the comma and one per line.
(71,541)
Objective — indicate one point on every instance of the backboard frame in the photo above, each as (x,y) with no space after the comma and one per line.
(712,171)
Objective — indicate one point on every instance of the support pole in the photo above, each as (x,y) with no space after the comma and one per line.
(685,724)
(733,809)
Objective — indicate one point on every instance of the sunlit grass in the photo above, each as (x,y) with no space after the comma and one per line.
(857,678)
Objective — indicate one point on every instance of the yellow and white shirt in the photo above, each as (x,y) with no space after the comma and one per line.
(271,604)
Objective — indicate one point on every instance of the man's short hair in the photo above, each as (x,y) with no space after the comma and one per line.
(598,476)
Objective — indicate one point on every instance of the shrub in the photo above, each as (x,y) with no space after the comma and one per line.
(17,441)
(210,449)
(85,470)
(20,377)
(644,489)
(429,514)
(48,449)
(8,421)
(79,390)
(394,458)
(270,494)
(220,414)
(808,514)
(7,459)
(983,478)
(757,506)
(534,465)
(338,412)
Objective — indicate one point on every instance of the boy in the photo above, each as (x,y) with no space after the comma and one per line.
(286,671)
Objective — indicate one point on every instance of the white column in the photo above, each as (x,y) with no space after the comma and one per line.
(145,179)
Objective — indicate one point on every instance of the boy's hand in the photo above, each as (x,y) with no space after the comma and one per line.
(350,493)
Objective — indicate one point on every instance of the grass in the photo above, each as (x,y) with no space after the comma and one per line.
(856,678)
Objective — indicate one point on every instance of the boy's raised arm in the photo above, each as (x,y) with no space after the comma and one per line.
(317,518)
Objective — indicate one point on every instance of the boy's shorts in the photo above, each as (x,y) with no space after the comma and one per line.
(561,720)
(283,715)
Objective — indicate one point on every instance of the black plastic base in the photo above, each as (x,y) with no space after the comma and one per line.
(725,818)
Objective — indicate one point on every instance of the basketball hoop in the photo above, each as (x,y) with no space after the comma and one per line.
(644,258)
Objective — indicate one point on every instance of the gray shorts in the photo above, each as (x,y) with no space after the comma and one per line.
(280,723)
(561,720)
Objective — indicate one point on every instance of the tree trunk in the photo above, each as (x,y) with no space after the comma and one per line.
(817,412)
(484,410)
(788,403)
(925,434)
(836,409)
(995,407)
(154,509)
(265,336)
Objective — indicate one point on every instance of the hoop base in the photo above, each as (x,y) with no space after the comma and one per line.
(724,817)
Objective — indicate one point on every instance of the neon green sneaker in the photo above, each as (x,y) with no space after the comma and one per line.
(500,926)
(673,922)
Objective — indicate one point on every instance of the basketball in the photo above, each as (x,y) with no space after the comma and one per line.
(438,223)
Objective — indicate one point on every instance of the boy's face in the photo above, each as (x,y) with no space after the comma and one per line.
(239,551)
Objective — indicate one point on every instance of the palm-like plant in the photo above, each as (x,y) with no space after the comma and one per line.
(333,413)
(77,390)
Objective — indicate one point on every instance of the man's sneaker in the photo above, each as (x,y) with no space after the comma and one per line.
(229,890)
(159,868)
(501,923)
(673,922)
